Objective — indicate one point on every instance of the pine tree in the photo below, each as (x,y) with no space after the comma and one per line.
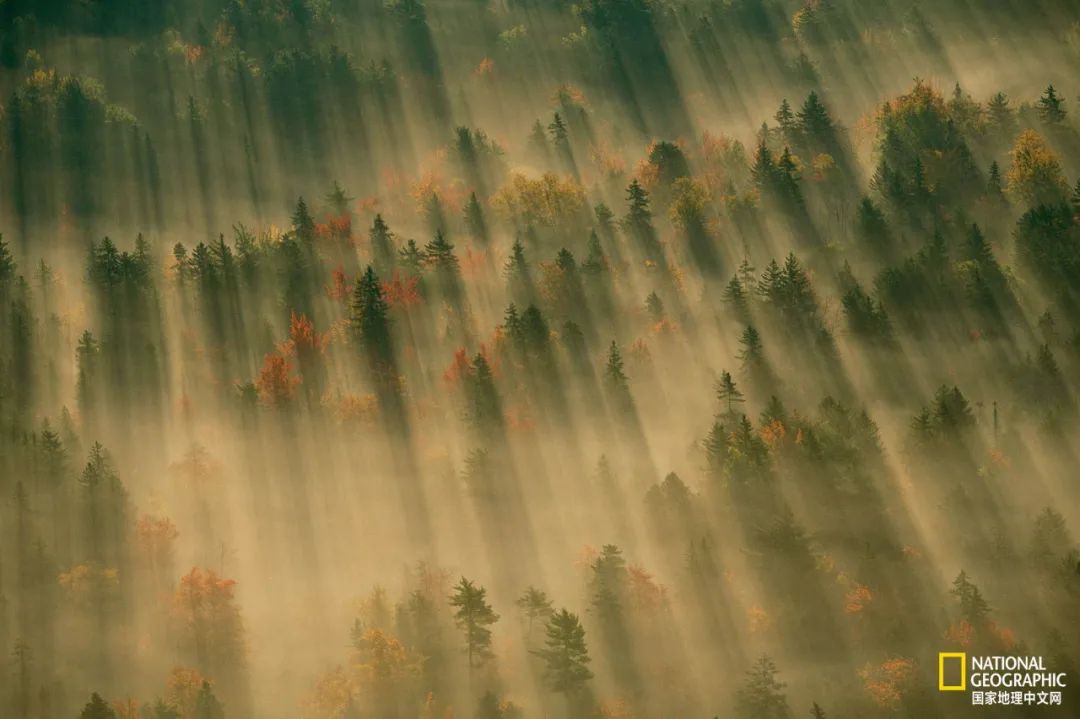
(207,705)
(412,258)
(564,260)
(1075,200)
(922,428)
(752,352)
(785,121)
(816,712)
(973,608)
(735,296)
(1000,115)
(52,457)
(97,708)
(951,411)
(303,223)
(516,267)
(7,264)
(474,616)
(787,177)
(559,136)
(873,230)
(474,220)
(566,657)
(964,112)
(382,243)
(763,170)
(538,141)
(338,200)
(814,121)
(994,188)
(534,605)
(638,221)
(182,261)
(608,584)
(716,447)
(22,659)
(727,393)
(439,253)
(762,694)
(512,327)
(159,710)
(774,412)
(655,307)
(746,275)
(1051,107)
(614,370)
(770,286)
(370,319)
(595,263)
(485,410)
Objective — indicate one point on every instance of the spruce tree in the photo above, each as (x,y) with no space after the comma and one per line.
(814,121)
(370,319)
(595,263)
(474,220)
(412,258)
(785,121)
(752,351)
(763,170)
(655,307)
(735,296)
(1051,107)
(762,694)
(382,243)
(613,372)
(716,446)
(638,221)
(303,223)
(994,187)
(485,409)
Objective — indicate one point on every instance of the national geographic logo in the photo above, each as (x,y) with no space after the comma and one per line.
(1001,680)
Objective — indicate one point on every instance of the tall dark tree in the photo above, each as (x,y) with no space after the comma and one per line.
(370,321)
(1051,107)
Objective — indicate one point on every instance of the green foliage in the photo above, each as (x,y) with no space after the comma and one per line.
(566,657)
(97,708)
(473,617)
(762,694)
(973,608)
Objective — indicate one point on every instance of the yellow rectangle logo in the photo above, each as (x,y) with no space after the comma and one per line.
(942,686)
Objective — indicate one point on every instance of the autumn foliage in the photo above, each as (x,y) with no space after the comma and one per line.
(276,384)
(208,621)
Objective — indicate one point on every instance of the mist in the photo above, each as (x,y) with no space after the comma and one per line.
(627,359)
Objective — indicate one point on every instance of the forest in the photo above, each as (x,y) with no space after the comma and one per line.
(536,359)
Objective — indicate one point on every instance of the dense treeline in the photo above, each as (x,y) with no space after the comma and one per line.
(621,359)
